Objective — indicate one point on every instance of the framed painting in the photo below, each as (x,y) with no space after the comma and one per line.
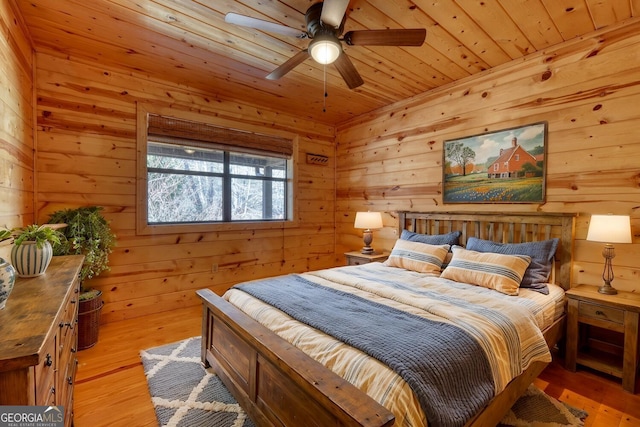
(505,166)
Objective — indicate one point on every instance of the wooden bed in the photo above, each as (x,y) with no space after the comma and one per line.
(279,385)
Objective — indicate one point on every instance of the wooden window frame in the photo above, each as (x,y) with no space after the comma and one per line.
(144,228)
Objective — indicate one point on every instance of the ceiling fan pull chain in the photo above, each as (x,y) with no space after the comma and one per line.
(324,99)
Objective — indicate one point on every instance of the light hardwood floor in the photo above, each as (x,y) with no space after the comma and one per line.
(111,389)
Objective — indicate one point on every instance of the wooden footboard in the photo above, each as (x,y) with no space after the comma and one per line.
(277,384)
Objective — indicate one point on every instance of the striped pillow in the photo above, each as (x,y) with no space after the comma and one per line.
(489,270)
(416,256)
(541,252)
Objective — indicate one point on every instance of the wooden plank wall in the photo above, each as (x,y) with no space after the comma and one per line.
(86,119)
(588,90)
(16,122)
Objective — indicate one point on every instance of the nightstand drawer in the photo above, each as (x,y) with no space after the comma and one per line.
(601,312)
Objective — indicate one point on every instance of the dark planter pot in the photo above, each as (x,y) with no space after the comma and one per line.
(89,321)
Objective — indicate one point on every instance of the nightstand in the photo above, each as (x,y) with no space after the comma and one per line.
(358,258)
(620,313)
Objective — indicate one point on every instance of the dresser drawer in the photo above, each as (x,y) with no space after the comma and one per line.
(67,336)
(67,360)
(45,378)
(601,312)
(69,316)
(66,383)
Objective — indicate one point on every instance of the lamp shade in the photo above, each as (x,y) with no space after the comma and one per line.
(368,220)
(325,49)
(610,229)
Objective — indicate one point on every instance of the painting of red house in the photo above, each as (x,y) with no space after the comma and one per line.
(511,161)
(503,166)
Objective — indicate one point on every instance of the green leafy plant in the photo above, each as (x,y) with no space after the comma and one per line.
(37,233)
(87,233)
(5,234)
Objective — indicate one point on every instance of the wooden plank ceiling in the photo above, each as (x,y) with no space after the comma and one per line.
(188,42)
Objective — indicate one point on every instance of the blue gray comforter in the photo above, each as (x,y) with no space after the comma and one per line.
(445,366)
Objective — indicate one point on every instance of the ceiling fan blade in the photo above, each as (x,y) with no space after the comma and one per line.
(348,71)
(291,63)
(259,24)
(333,11)
(401,37)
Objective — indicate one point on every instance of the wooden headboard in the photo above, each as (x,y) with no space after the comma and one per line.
(502,228)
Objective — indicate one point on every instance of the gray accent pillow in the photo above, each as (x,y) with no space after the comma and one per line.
(541,253)
(450,239)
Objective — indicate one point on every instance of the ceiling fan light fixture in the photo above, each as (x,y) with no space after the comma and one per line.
(325,49)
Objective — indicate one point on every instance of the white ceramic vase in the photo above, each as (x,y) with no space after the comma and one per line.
(7,280)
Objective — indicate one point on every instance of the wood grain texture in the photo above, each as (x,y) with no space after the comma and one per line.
(96,60)
(190,42)
(586,89)
(111,389)
(89,156)
(16,120)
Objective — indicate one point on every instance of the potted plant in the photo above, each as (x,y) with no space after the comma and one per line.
(32,248)
(87,233)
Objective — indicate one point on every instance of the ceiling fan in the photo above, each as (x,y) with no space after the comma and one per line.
(325,24)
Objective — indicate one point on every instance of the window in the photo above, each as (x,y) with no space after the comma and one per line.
(197,173)
(193,184)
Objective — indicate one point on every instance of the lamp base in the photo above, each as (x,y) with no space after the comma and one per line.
(607,289)
(607,274)
(367,235)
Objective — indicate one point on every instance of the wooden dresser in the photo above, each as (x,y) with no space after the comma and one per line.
(38,338)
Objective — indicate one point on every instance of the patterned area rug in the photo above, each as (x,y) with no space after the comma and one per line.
(536,409)
(184,394)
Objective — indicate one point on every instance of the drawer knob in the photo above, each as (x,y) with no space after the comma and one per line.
(70,380)
(600,313)
(48,360)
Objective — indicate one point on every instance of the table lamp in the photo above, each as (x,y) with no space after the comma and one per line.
(609,229)
(368,221)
